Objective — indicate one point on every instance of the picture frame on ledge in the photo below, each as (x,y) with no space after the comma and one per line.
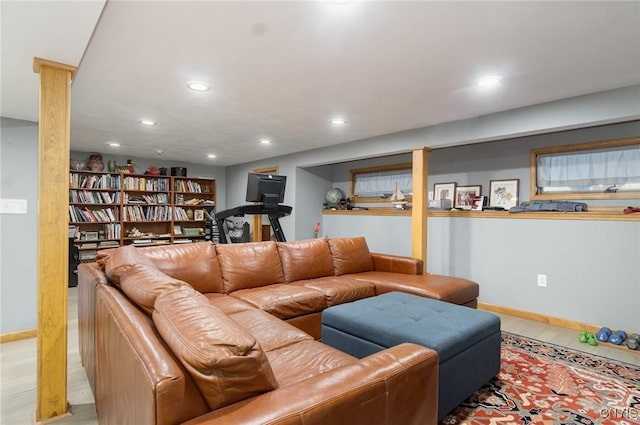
(478,203)
(177,230)
(198,215)
(504,193)
(444,195)
(466,194)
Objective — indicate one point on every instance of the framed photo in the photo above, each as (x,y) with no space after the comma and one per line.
(91,236)
(444,193)
(163,198)
(504,193)
(177,230)
(198,215)
(478,203)
(466,194)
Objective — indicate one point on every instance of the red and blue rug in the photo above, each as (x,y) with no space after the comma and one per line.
(542,383)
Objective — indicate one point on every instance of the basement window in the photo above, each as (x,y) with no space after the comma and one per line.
(377,184)
(599,170)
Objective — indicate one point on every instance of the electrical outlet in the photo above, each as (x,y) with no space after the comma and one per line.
(542,280)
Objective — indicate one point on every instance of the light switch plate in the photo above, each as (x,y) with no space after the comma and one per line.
(13,206)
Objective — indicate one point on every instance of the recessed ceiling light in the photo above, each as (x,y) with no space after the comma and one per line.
(198,86)
(113,144)
(147,122)
(265,141)
(211,155)
(338,121)
(489,81)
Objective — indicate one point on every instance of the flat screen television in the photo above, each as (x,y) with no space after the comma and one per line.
(266,188)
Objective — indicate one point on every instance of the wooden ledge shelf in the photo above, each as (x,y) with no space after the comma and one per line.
(597,214)
(379,211)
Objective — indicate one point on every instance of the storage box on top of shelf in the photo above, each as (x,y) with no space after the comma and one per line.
(179,171)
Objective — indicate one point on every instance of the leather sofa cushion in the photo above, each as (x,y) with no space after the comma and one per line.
(228,304)
(283,300)
(304,360)
(226,363)
(306,259)
(249,265)
(143,284)
(350,255)
(271,332)
(339,290)
(438,287)
(195,263)
(121,259)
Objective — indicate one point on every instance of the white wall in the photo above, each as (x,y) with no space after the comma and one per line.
(18,232)
(592,267)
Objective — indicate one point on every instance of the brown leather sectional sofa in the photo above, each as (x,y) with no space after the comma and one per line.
(229,334)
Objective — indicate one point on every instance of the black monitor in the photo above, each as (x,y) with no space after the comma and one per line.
(266,188)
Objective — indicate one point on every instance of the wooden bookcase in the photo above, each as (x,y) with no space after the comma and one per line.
(194,202)
(109,210)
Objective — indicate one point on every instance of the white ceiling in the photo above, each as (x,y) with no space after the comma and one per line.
(281,70)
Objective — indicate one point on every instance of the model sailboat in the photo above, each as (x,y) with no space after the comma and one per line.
(397,198)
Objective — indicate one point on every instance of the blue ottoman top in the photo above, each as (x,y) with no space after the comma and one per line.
(395,317)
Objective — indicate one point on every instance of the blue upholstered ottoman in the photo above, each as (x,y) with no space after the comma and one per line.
(467,340)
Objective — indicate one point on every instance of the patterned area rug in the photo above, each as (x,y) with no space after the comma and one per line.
(541,383)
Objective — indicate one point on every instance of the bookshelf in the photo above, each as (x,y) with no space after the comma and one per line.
(94,210)
(146,210)
(194,202)
(108,210)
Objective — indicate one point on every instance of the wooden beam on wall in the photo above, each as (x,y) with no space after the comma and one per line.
(419,204)
(53,259)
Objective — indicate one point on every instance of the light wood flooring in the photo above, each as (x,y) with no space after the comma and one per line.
(18,368)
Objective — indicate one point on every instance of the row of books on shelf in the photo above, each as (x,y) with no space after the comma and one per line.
(151,242)
(94,181)
(181,214)
(98,245)
(158,198)
(194,201)
(112,231)
(190,186)
(85,196)
(151,184)
(146,213)
(87,215)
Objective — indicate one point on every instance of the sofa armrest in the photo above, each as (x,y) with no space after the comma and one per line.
(89,276)
(397,386)
(138,380)
(396,264)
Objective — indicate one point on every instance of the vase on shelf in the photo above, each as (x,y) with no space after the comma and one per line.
(95,162)
(112,166)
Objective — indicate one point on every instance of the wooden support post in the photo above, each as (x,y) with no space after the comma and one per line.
(53,260)
(419,204)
